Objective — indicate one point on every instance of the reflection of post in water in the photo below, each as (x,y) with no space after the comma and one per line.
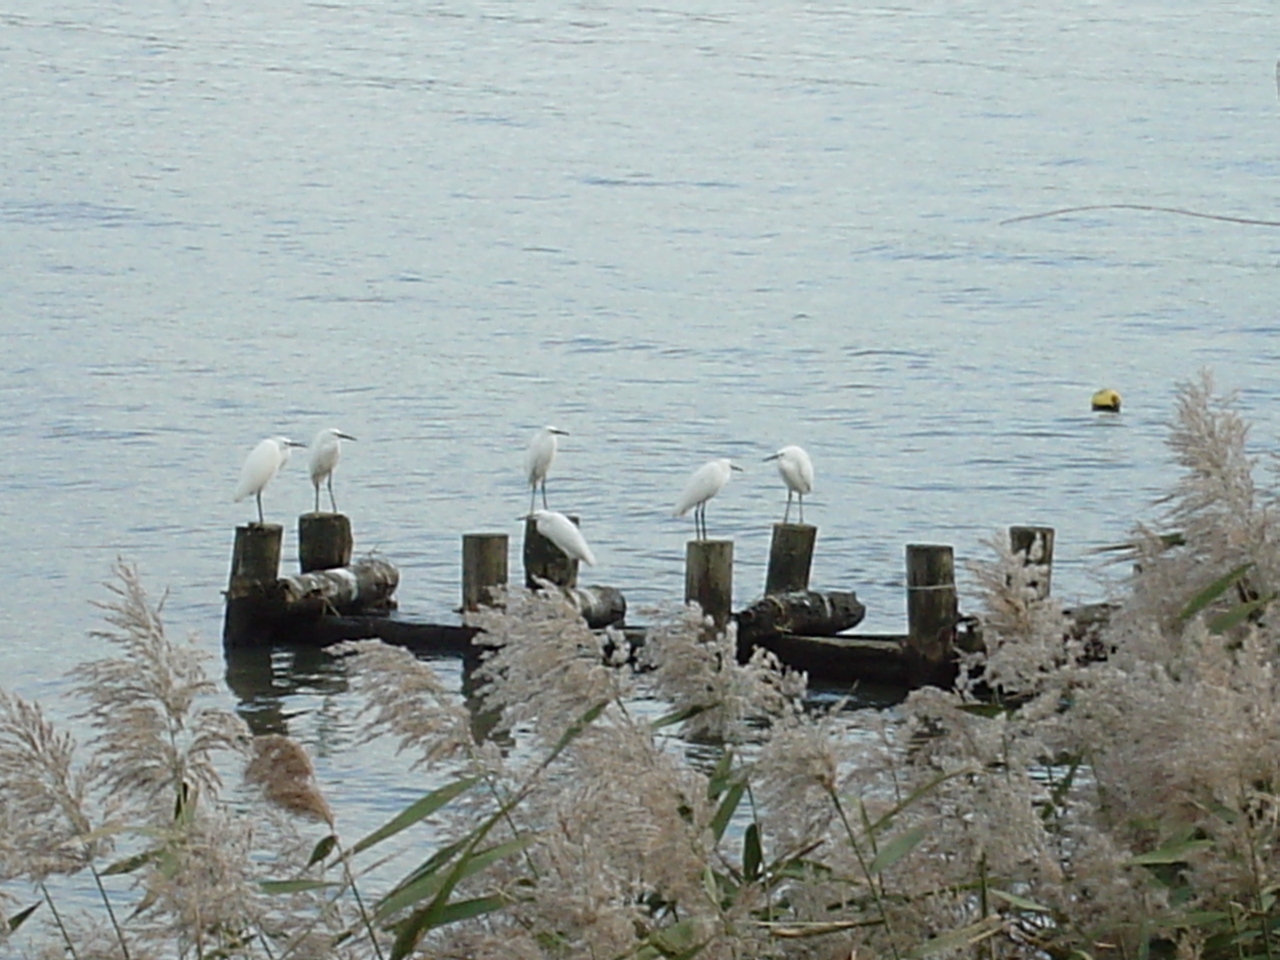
(263,677)
(484,723)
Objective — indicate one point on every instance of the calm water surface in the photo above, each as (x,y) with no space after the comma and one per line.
(677,232)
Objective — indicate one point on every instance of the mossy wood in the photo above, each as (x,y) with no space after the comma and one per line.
(807,612)
(708,577)
(365,586)
(251,587)
(255,558)
(932,613)
(484,567)
(324,541)
(790,557)
(259,601)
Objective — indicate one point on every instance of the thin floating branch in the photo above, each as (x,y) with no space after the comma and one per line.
(1142,206)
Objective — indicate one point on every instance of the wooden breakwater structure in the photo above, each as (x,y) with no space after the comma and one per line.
(334,598)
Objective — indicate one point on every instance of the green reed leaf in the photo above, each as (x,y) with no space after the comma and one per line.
(416,811)
(897,848)
(1212,592)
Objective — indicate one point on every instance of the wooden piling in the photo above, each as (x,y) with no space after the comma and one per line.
(790,558)
(324,541)
(932,613)
(1036,546)
(255,559)
(708,578)
(484,567)
(251,589)
(543,560)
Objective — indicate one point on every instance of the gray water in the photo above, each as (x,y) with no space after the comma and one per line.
(677,232)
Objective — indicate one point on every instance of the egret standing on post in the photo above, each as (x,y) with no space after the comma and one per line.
(708,480)
(326,449)
(796,470)
(564,533)
(261,466)
(537,461)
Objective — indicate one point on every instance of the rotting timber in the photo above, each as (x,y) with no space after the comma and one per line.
(339,599)
(347,600)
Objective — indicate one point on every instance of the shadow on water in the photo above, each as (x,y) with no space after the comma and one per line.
(270,683)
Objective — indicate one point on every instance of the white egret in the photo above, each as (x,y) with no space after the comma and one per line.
(708,480)
(564,533)
(796,470)
(326,449)
(537,461)
(262,464)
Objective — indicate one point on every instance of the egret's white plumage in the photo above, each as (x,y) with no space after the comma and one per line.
(537,461)
(564,533)
(705,482)
(261,466)
(796,470)
(326,450)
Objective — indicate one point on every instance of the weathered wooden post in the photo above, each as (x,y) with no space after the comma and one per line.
(484,566)
(1036,546)
(708,578)
(324,541)
(932,612)
(251,589)
(790,558)
(544,560)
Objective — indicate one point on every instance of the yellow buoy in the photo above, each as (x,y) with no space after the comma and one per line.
(1106,400)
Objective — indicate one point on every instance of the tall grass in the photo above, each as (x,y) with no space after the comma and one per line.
(1050,806)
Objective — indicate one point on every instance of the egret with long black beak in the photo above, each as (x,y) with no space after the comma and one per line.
(261,466)
(708,480)
(537,461)
(326,449)
(796,470)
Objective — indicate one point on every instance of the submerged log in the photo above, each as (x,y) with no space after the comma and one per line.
(420,637)
(841,660)
(808,612)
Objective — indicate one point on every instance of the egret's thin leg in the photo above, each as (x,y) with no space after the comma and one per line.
(261,521)
(544,494)
(786,514)
(317,486)
(332,502)
(800,497)
(533,498)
